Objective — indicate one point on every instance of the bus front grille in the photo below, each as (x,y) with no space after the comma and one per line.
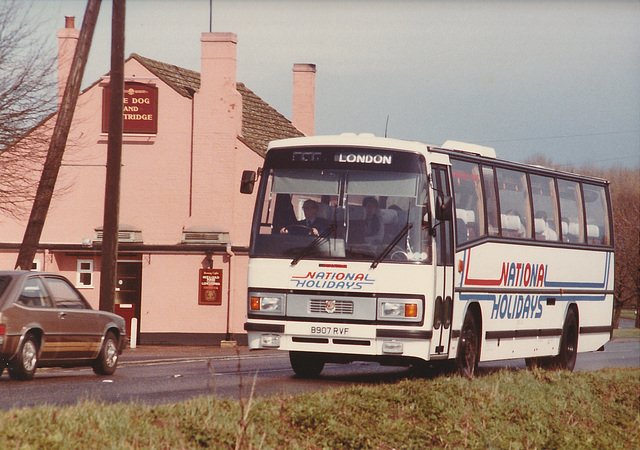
(331,306)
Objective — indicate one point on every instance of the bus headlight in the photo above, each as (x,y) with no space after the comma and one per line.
(392,309)
(269,304)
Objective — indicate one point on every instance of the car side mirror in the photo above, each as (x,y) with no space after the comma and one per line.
(247,182)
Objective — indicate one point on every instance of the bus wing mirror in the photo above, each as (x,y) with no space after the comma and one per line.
(444,207)
(247,182)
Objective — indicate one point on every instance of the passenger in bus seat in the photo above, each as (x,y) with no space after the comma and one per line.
(465,224)
(389,219)
(593,234)
(544,229)
(461,230)
(512,224)
(402,218)
(573,231)
(540,227)
(373,228)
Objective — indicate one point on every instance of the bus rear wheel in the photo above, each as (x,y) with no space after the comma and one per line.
(306,365)
(468,353)
(566,359)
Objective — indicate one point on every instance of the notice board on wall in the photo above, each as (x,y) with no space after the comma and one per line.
(210,291)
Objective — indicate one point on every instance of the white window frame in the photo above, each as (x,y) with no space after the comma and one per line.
(81,271)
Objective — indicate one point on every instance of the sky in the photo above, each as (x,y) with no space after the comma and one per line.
(552,78)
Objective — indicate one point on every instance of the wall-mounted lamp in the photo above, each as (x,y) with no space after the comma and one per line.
(209,259)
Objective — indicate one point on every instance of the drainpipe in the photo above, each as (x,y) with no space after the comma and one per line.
(230,255)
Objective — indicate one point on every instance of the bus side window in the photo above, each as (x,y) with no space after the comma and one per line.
(515,214)
(469,209)
(571,210)
(545,209)
(597,212)
(491,197)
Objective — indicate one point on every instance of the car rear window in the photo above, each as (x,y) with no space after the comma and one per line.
(4,282)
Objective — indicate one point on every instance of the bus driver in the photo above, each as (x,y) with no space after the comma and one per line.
(311,224)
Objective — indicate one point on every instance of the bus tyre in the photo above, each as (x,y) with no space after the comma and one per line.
(468,354)
(566,359)
(306,365)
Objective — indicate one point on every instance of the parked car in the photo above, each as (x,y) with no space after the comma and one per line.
(45,321)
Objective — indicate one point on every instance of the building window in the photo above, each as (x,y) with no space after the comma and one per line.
(85,273)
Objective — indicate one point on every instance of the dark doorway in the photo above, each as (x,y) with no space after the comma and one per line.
(129,292)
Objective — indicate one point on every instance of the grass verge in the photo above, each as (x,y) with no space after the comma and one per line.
(627,333)
(628,314)
(504,409)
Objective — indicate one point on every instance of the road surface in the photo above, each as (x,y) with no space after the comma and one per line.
(177,378)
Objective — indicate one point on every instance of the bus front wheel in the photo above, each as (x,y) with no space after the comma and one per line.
(468,353)
(306,365)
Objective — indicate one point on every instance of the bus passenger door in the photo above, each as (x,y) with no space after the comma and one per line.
(443,307)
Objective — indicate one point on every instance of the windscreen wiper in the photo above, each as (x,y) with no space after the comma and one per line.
(392,244)
(330,229)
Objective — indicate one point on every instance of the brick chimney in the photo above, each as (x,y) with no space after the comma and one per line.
(304,98)
(67,42)
(218,81)
(217,125)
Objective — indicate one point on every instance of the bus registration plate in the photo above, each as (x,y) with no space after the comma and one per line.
(329,330)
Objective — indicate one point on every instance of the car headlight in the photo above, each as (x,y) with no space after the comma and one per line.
(268,304)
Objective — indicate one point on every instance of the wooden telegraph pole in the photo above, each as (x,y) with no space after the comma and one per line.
(108,273)
(51,168)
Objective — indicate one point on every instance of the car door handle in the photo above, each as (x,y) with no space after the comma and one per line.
(62,314)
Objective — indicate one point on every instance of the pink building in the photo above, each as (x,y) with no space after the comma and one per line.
(184,226)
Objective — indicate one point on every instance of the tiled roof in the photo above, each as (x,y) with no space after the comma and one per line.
(260,122)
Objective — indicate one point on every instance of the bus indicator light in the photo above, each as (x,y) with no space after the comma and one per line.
(410,310)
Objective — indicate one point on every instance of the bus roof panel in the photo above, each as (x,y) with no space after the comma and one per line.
(351,139)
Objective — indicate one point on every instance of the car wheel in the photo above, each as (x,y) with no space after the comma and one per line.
(306,365)
(107,360)
(25,363)
(468,348)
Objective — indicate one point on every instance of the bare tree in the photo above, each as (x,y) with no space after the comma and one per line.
(28,93)
(625,199)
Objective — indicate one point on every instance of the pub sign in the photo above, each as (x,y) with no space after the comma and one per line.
(140,109)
